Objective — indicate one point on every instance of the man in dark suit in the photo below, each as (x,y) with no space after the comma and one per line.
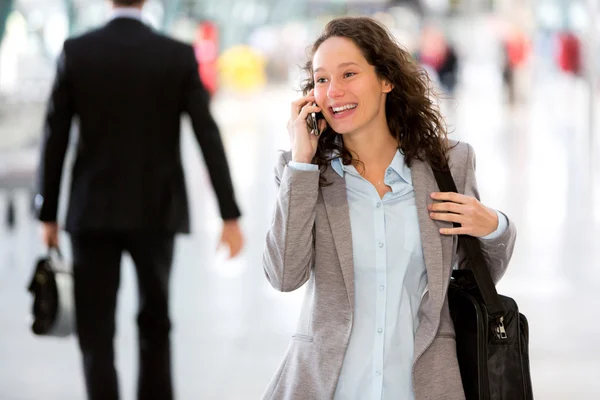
(128,87)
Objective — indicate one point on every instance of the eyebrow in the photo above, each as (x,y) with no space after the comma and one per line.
(339,66)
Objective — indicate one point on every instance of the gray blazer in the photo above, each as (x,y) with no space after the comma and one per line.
(310,242)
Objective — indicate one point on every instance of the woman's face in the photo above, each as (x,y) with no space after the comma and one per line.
(349,92)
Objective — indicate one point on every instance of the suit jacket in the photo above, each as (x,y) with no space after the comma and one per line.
(128,87)
(310,242)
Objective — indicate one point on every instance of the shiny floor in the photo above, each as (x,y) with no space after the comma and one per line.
(231,329)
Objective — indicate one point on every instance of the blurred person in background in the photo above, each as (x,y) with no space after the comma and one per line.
(516,52)
(438,55)
(128,87)
(358,218)
(448,70)
(568,53)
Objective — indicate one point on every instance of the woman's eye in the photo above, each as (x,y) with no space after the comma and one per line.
(349,74)
(320,80)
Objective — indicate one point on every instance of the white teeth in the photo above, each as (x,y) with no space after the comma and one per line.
(343,108)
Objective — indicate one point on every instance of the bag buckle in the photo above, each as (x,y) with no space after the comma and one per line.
(500,331)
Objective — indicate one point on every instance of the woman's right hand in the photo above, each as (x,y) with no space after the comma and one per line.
(304,143)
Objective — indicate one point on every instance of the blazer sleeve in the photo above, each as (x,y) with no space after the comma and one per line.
(55,140)
(289,253)
(196,103)
(498,251)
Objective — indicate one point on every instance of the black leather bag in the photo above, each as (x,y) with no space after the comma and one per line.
(492,337)
(51,286)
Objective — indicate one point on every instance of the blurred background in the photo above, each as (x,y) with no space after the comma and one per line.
(519,80)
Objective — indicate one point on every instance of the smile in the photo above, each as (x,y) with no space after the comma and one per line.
(341,109)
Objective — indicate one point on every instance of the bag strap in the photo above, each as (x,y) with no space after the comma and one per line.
(475,258)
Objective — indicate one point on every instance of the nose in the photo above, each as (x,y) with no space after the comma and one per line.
(335,90)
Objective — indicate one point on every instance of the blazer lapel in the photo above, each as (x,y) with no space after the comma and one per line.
(338,212)
(437,249)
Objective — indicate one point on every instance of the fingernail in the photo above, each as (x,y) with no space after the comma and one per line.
(433,194)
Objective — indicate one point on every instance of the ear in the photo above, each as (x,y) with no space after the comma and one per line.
(386,86)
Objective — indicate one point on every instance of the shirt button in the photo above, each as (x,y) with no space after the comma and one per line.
(392,182)
(380,244)
(378,372)
(378,205)
(381,288)
(380,330)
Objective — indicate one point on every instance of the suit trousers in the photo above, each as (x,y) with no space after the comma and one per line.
(96,269)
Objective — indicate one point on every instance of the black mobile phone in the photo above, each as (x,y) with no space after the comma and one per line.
(313,122)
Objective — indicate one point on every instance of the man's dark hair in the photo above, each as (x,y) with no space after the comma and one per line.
(127,3)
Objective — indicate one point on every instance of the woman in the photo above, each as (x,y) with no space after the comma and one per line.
(359,220)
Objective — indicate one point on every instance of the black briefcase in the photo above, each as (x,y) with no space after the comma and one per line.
(51,286)
(492,336)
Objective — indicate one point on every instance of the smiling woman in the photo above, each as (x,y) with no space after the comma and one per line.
(340,87)
(371,64)
(359,220)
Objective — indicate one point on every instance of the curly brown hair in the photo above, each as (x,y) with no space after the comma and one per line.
(414,120)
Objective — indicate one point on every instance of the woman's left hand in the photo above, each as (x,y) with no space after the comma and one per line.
(476,219)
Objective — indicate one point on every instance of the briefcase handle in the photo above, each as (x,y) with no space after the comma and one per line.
(475,259)
(54,250)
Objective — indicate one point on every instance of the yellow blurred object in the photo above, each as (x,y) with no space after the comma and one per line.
(242,68)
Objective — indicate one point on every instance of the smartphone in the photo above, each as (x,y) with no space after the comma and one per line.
(312,122)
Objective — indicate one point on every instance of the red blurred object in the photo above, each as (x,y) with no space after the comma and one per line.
(434,48)
(517,50)
(206,46)
(569,53)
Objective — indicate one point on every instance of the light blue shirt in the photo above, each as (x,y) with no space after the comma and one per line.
(390,280)
(127,12)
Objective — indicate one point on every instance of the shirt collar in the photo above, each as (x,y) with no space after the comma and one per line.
(337,166)
(400,167)
(127,12)
(397,165)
